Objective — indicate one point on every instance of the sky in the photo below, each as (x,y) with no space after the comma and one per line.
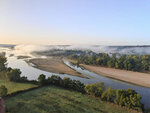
(66,22)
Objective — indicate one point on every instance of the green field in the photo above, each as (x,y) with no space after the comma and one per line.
(13,86)
(57,100)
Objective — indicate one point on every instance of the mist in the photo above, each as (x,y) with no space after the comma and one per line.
(28,49)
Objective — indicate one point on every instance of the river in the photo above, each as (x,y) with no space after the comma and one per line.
(32,73)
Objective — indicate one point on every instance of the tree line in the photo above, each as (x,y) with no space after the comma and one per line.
(139,63)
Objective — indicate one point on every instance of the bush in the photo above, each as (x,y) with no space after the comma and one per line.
(78,86)
(3,63)
(110,94)
(65,83)
(42,79)
(103,96)
(3,91)
(14,75)
(68,83)
(129,98)
(95,89)
(55,80)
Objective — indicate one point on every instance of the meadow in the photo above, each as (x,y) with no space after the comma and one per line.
(14,86)
(52,99)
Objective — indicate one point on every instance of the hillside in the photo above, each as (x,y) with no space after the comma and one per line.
(52,99)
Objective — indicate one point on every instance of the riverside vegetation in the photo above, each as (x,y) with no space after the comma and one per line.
(128,98)
(140,63)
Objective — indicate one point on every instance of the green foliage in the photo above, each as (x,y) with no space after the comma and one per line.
(42,79)
(14,75)
(55,80)
(103,96)
(95,89)
(128,98)
(110,94)
(3,91)
(127,62)
(65,83)
(3,64)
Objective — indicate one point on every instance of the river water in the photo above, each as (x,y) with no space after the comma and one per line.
(32,73)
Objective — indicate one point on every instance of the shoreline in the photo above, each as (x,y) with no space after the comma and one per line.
(135,78)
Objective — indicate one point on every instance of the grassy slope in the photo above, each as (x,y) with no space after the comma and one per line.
(57,100)
(13,87)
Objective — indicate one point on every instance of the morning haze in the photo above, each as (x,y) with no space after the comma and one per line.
(74,56)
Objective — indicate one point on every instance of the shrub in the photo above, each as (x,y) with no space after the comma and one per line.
(3,91)
(3,63)
(42,79)
(110,94)
(103,96)
(95,89)
(129,98)
(14,75)
(55,80)
(78,86)
(68,83)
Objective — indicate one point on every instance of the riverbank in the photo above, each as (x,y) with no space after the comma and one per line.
(54,65)
(137,78)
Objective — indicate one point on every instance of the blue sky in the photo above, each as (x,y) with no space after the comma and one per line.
(105,22)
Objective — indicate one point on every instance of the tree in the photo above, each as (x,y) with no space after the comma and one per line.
(3,64)
(103,96)
(111,63)
(95,89)
(14,75)
(129,98)
(100,90)
(67,83)
(91,89)
(42,79)
(110,94)
(3,91)
(55,80)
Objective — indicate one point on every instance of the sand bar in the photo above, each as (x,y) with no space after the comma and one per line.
(142,79)
(54,65)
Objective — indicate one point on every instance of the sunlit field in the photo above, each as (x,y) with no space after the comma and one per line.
(13,86)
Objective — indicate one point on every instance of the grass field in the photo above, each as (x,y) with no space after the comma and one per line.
(57,100)
(13,86)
